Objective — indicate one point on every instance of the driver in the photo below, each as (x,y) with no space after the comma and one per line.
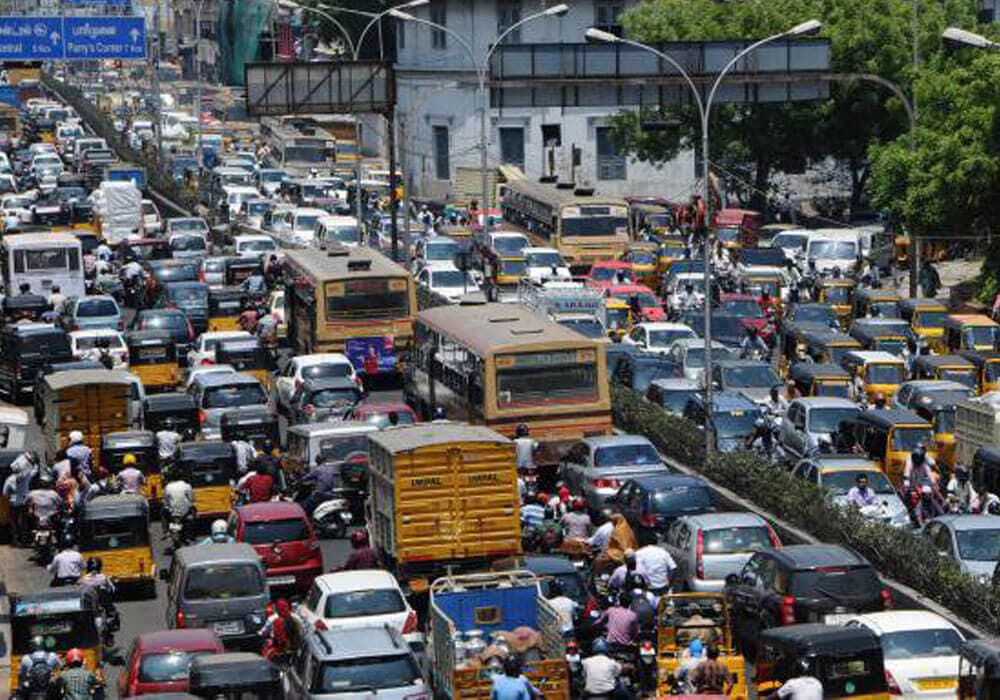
(860,494)
(37,667)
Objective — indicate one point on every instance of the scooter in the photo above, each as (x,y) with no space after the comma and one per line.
(332,517)
(178,531)
(44,543)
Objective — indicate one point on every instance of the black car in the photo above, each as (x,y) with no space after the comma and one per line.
(172,321)
(800,583)
(191,298)
(652,503)
(168,271)
(549,567)
(23,351)
(637,370)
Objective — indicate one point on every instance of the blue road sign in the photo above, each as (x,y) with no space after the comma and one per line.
(72,38)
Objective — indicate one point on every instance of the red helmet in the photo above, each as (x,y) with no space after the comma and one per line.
(579,504)
(543,498)
(359,538)
(74,656)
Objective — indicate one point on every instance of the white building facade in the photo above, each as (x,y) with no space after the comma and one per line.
(438,106)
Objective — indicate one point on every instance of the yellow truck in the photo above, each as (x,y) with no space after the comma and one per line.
(442,496)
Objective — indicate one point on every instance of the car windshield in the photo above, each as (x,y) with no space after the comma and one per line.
(382,419)
(836,582)
(373,601)
(736,540)
(930,319)
(750,377)
(168,321)
(908,439)
(545,259)
(962,376)
(915,644)
(813,314)
(826,420)
(978,545)
(980,336)
(645,299)
(167,668)
(339,448)
(885,309)
(188,295)
(675,400)
(451,278)
(885,373)
(92,308)
(327,369)
(840,482)
(610,274)
(89,342)
(342,234)
(188,243)
(270,531)
(272,175)
(223,581)
(624,455)
(334,398)
(510,245)
(790,241)
(747,308)
(682,499)
(442,250)
(696,356)
(186,225)
(732,424)
(305,222)
(833,250)
(366,675)
(513,267)
(666,338)
(234,396)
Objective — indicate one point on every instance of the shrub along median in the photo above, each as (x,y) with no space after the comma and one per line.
(903,556)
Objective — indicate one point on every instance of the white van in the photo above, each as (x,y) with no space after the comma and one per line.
(337,229)
(833,248)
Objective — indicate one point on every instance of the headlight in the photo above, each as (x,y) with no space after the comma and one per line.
(256,619)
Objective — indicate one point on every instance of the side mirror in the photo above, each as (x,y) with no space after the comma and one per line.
(164,574)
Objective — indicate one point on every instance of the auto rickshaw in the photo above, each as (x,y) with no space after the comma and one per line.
(876,302)
(985,470)
(901,243)
(938,409)
(971,332)
(23,307)
(152,356)
(838,292)
(141,444)
(892,335)
(643,257)
(234,675)
(987,365)
(979,669)
(684,617)
(619,318)
(65,618)
(257,426)
(116,529)
(878,372)
(238,269)
(847,661)
(821,379)
(827,345)
(758,280)
(224,308)
(954,368)
(210,467)
(171,411)
(247,355)
(927,318)
(669,251)
(888,437)
(649,214)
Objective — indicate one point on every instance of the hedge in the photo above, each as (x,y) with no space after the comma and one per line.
(898,554)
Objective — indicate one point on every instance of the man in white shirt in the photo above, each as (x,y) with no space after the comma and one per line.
(600,673)
(66,567)
(599,540)
(564,605)
(656,566)
(801,688)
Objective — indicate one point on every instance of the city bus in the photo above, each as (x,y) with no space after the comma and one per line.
(298,147)
(501,365)
(585,228)
(42,260)
(354,301)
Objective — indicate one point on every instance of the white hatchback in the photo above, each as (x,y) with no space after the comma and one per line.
(85,345)
(323,365)
(202,352)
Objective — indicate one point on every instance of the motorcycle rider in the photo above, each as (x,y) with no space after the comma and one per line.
(278,631)
(960,488)
(576,523)
(325,477)
(178,501)
(711,676)
(167,441)
(362,556)
(860,495)
(131,478)
(776,404)
(753,346)
(656,566)
(918,469)
(257,486)
(218,534)
(928,506)
(564,605)
(76,682)
(601,673)
(67,565)
(80,451)
(245,455)
(93,577)
(621,623)
(37,668)
(132,279)
(688,300)
(43,502)
(763,432)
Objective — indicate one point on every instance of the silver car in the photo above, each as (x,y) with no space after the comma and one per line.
(971,540)
(217,394)
(596,467)
(213,271)
(368,662)
(710,546)
(811,420)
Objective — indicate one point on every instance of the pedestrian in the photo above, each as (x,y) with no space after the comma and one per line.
(930,280)
(711,676)
(509,685)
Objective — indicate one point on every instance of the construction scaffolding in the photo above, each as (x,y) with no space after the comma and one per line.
(241,24)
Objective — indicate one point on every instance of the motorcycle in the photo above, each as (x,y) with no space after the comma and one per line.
(574,662)
(178,530)
(44,543)
(332,517)
(646,671)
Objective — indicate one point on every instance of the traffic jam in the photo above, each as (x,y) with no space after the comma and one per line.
(258,450)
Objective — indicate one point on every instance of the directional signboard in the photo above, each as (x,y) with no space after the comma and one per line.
(72,38)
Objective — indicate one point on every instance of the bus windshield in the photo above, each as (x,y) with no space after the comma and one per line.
(593,225)
(359,299)
(531,379)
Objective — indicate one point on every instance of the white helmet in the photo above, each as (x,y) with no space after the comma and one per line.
(219,530)
(75,437)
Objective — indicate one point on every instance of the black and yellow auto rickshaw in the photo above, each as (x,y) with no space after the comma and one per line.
(838,293)
(987,365)
(171,411)
(953,368)
(979,669)
(235,675)
(892,335)
(142,445)
(210,467)
(240,268)
(224,308)
(643,257)
(152,356)
(927,319)
(247,355)
(939,409)
(256,426)
(116,529)
(971,332)
(65,618)
(881,302)
(820,379)
(847,661)
(985,470)
(683,617)
(888,437)
(874,372)
(827,345)
(669,250)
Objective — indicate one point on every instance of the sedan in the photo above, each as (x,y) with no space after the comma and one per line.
(86,345)
(971,540)
(96,311)
(302,368)
(653,502)
(596,467)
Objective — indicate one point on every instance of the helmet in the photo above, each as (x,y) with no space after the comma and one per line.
(359,538)
(45,481)
(993,508)
(129,460)
(879,398)
(543,498)
(555,588)
(599,646)
(440,413)
(218,529)
(917,456)
(94,565)
(579,504)
(521,431)
(74,656)
(37,643)
(75,437)
(961,471)
(67,541)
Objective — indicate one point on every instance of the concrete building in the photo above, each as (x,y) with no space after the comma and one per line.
(438,106)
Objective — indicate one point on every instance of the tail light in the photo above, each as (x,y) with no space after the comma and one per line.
(775,542)
(320,626)
(153,491)
(605,483)
(892,684)
(410,625)
(207,362)
(121,325)
(699,559)
(179,618)
(201,275)
(202,416)
(269,609)
(190,329)
(886,596)
(648,519)
(788,610)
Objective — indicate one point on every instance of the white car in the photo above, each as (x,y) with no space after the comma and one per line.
(657,337)
(152,222)
(194,372)
(689,353)
(253,245)
(187,245)
(348,600)
(18,205)
(448,281)
(920,649)
(323,365)
(85,344)
(276,307)
(545,264)
(301,225)
(202,352)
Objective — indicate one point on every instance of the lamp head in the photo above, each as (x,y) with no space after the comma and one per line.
(557,10)
(806,28)
(599,35)
(289,4)
(415,3)
(399,14)
(955,35)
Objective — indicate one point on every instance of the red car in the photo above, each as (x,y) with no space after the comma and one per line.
(158,661)
(283,536)
(379,413)
(747,306)
(650,304)
(604,274)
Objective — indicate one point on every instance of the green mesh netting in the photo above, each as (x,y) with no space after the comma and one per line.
(240,25)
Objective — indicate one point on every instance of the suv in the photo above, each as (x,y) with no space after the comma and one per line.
(369,660)
(24,350)
(220,393)
(800,583)
(284,538)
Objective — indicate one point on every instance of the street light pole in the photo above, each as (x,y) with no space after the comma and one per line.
(197,73)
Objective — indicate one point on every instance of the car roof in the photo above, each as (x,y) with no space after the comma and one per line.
(365,642)
(811,402)
(328,383)
(816,556)
(192,639)
(729,400)
(361,579)
(214,379)
(270,510)
(677,384)
(209,553)
(667,480)
(969,522)
(725,519)
(350,427)
(903,621)
(320,358)
(609,440)
(726,364)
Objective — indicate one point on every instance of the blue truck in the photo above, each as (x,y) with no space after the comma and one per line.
(127,172)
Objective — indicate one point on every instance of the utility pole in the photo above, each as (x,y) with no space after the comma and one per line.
(390,119)
(404,164)
(914,238)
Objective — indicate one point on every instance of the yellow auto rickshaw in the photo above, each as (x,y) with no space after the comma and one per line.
(619,318)
(210,467)
(141,444)
(876,302)
(888,437)
(846,660)
(152,356)
(875,372)
(987,365)
(683,617)
(116,529)
(952,368)
(838,293)
(643,257)
(65,618)
(927,319)
(971,332)
(669,251)
(247,355)
(224,308)
(939,408)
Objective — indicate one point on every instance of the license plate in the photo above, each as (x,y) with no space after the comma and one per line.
(936,683)
(231,627)
(280,580)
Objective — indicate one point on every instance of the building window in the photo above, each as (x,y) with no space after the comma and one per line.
(439,15)
(610,163)
(512,146)
(400,28)
(509,14)
(607,14)
(551,135)
(442,164)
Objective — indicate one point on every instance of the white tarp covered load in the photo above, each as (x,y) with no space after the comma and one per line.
(118,210)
